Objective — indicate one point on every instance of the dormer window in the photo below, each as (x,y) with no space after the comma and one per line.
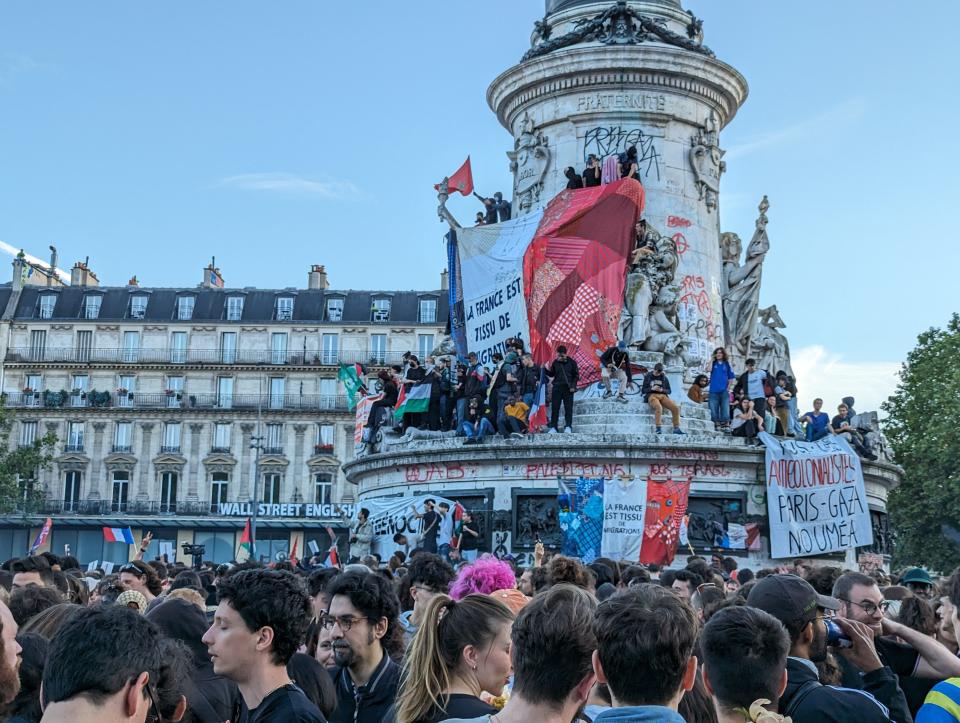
(380,310)
(334,309)
(428,311)
(234,308)
(284,308)
(91,306)
(185,308)
(45,307)
(138,307)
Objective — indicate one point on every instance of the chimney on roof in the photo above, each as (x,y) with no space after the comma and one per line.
(212,279)
(19,270)
(317,278)
(53,279)
(81,275)
(444,280)
(133,281)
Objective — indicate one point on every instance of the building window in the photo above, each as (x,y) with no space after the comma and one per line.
(284,308)
(221,437)
(174,391)
(278,348)
(334,309)
(78,396)
(75,432)
(328,393)
(171,438)
(84,345)
(378,348)
(126,387)
(138,307)
(225,392)
(218,490)
(381,310)
(428,311)
(45,308)
(274,443)
(178,347)
(424,346)
(234,308)
(325,435)
(131,347)
(31,390)
(121,489)
(331,349)
(28,433)
(71,491)
(277,391)
(168,492)
(271,488)
(91,306)
(123,437)
(228,347)
(323,488)
(38,345)
(185,307)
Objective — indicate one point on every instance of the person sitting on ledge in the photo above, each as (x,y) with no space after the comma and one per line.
(698,391)
(475,425)
(746,422)
(515,417)
(656,393)
(841,425)
(771,424)
(818,423)
(615,363)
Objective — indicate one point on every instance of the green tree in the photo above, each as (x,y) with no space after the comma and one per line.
(923,427)
(19,467)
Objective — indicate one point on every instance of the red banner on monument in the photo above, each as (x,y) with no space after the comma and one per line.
(574,272)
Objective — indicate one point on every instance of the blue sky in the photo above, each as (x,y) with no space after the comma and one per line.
(150,137)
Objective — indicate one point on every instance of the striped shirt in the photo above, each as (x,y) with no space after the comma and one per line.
(942,704)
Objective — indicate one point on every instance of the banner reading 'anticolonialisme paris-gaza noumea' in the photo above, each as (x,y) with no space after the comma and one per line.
(816,499)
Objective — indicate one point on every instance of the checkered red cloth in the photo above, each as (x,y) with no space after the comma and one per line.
(574,272)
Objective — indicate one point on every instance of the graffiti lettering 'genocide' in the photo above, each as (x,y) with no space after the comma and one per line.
(604,141)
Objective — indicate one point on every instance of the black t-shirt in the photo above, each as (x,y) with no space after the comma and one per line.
(468,541)
(284,704)
(430,527)
(459,705)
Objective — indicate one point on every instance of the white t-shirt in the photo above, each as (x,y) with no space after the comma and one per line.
(755,384)
(446,529)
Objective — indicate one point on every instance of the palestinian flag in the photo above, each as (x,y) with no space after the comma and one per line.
(415,401)
(352,377)
(245,549)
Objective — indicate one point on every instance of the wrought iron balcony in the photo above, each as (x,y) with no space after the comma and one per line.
(138,400)
(170,449)
(73,447)
(119,507)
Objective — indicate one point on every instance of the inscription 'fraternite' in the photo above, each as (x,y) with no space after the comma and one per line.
(608,101)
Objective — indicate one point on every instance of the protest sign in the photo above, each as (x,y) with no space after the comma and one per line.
(360,419)
(816,500)
(624,515)
(390,515)
(107,568)
(581,517)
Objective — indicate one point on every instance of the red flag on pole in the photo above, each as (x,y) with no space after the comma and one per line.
(293,553)
(461,180)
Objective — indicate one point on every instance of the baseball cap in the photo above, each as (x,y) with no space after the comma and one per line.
(513,599)
(916,574)
(789,598)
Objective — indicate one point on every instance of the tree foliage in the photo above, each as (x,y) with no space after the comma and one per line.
(19,466)
(923,427)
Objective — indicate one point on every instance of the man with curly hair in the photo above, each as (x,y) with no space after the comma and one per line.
(260,621)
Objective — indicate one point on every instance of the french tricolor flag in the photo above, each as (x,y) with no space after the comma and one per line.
(538,410)
(118,534)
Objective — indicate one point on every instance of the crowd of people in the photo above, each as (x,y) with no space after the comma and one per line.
(481,641)
(480,401)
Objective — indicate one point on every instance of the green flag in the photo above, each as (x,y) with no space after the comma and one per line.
(350,376)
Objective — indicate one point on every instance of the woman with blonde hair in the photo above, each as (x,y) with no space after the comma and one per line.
(461,650)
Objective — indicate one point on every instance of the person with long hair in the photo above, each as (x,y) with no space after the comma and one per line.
(721,375)
(747,422)
(461,650)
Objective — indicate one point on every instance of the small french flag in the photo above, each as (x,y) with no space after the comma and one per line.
(118,534)
(538,410)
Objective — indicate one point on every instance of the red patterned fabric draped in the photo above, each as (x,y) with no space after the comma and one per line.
(574,272)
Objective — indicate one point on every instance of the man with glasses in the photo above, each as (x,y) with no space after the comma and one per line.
(919,661)
(804,614)
(105,666)
(362,621)
(259,623)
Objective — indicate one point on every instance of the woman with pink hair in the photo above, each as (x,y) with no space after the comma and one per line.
(486,575)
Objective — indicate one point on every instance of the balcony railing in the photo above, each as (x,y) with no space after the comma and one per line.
(170,449)
(219,450)
(119,355)
(73,447)
(93,399)
(273,450)
(111,507)
(122,448)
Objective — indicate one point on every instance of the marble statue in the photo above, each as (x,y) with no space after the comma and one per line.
(706,161)
(664,335)
(741,286)
(654,269)
(767,345)
(443,193)
(529,162)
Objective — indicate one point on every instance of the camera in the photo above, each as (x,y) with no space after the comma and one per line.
(196,552)
(836,638)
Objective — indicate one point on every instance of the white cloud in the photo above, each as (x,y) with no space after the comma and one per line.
(845,113)
(291,184)
(14,251)
(825,374)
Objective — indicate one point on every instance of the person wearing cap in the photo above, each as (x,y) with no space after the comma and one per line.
(656,393)
(615,362)
(803,612)
(919,582)
(919,661)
